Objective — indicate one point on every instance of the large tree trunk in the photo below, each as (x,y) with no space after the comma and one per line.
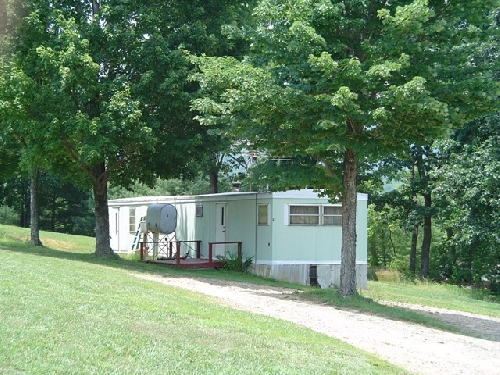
(427,227)
(426,239)
(214,182)
(414,235)
(413,250)
(24,206)
(100,189)
(349,201)
(96,7)
(34,211)
(53,209)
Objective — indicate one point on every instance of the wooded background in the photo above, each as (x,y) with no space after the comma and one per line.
(396,99)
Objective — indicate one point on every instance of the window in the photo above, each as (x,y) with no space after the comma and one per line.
(262,218)
(314,215)
(131,220)
(304,215)
(199,210)
(332,215)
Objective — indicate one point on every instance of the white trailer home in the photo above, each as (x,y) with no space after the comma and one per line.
(291,236)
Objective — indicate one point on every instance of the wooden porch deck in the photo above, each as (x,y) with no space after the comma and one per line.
(176,260)
(187,263)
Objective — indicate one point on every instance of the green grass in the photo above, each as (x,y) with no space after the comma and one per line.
(435,295)
(420,293)
(65,311)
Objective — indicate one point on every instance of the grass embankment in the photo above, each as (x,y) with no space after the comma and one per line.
(65,311)
(443,296)
(374,301)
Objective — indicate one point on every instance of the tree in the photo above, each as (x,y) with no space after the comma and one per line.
(468,192)
(9,12)
(106,91)
(65,208)
(64,107)
(413,198)
(424,159)
(14,193)
(342,82)
(387,238)
(17,150)
(222,152)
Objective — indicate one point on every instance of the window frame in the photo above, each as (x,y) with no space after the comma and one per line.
(131,220)
(333,216)
(321,215)
(259,223)
(306,216)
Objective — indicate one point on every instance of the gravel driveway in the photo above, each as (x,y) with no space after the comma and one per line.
(416,348)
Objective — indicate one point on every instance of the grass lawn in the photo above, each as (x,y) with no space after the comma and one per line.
(420,293)
(424,293)
(65,311)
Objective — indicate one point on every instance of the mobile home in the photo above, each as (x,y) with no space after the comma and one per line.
(291,236)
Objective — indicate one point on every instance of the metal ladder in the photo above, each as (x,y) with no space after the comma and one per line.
(137,237)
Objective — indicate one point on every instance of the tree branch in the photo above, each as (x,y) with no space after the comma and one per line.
(128,152)
(330,173)
(74,156)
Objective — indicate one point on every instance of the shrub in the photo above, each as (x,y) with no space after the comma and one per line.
(8,216)
(234,262)
(372,274)
(494,288)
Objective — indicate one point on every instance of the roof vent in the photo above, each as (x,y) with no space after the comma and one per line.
(236,186)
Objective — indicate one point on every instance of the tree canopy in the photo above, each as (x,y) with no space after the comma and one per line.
(102,89)
(104,93)
(342,82)
(468,191)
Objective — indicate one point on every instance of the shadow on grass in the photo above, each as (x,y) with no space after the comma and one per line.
(265,287)
(19,246)
(115,262)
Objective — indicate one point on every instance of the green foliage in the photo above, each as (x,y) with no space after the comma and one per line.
(306,80)
(286,173)
(411,202)
(468,191)
(103,89)
(8,216)
(235,262)
(461,175)
(388,241)
(14,193)
(63,206)
(173,186)
(344,83)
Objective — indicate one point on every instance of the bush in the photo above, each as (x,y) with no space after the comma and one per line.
(8,216)
(372,274)
(495,288)
(234,262)
(388,276)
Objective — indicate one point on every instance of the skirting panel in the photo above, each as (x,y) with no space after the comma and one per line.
(323,275)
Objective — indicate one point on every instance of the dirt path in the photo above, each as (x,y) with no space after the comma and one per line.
(418,349)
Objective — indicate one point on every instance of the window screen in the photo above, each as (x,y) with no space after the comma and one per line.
(304,215)
(332,215)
